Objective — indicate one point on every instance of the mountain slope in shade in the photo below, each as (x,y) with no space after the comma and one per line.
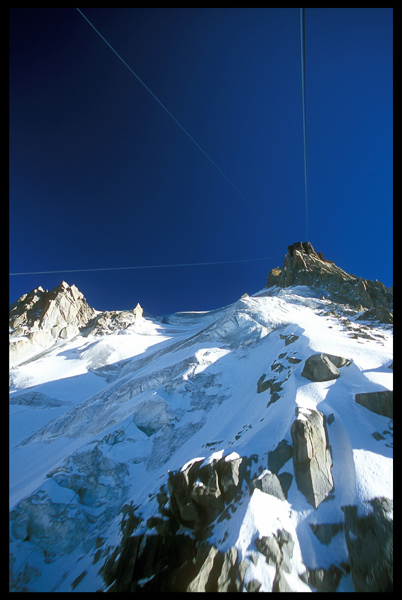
(243,449)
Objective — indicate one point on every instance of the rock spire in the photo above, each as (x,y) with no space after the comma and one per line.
(54,311)
(40,318)
(304,266)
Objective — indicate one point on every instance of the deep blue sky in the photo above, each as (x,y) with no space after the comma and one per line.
(101,176)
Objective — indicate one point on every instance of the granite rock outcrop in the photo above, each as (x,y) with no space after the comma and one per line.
(381,402)
(304,266)
(40,318)
(312,458)
(55,310)
(199,492)
(369,539)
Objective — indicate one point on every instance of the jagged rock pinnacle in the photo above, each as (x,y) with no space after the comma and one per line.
(40,309)
(304,266)
(41,317)
(38,319)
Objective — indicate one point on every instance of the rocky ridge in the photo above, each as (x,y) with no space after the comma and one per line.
(43,310)
(41,318)
(304,266)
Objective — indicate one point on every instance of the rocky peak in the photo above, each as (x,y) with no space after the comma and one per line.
(50,310)
(41,317)
(65,305)
(26,310)
(304,266)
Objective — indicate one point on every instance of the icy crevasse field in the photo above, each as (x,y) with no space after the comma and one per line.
(97,423)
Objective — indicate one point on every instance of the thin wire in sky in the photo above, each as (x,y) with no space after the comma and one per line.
(303,83)
(223,262)
(168,112)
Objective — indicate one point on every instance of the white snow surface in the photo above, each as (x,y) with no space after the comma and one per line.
(96,423)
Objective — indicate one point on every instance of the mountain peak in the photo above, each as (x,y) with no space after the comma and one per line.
(40,318)
(304,266)
(43,309)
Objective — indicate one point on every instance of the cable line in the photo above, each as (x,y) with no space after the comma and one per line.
(223,262)
(303,85)
(168,112)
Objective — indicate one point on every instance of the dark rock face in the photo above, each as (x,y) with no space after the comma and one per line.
(198,493)
(206,494)
(381,402)
(180,484)
(370,546)
(172,563)
(216,571)
(378,313)
(278,552)
(319,367)
(304,266)
(312,456)
(208,563)
(228,580)
(230,475)
(278,457)
(269,547)
(304,247)
(325,580)
(167,560)
(268,483)
(338,361)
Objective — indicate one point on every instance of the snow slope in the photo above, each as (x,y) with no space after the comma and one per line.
(97,422)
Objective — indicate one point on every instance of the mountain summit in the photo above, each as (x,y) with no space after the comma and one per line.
(43,310)
(304,266)
(39,319)
(248,448)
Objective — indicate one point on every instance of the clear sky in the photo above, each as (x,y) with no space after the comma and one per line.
(100,176)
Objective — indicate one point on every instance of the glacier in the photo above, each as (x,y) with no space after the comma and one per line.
(101,418)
